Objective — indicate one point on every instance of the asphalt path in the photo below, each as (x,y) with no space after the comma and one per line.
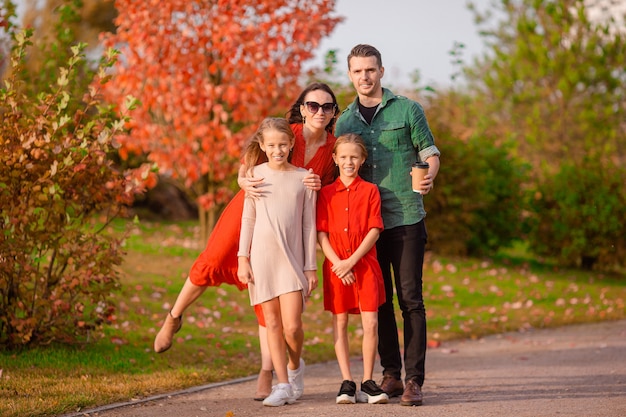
(577,370)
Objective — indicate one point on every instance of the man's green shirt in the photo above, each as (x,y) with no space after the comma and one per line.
(397,136)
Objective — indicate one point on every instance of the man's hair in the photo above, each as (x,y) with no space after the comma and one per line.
(363,50)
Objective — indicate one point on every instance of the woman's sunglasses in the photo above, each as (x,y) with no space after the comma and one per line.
(313,107)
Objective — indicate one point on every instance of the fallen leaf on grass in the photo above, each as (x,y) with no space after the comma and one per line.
(433,344)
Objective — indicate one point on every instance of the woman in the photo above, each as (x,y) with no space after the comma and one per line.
(312,119)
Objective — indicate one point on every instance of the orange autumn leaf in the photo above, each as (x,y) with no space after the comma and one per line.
(206,72)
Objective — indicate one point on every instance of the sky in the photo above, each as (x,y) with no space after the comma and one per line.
(410,35)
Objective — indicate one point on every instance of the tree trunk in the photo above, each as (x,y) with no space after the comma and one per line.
(207,217)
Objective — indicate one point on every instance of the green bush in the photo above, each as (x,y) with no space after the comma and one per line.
(577,216)
(57,190)
(476,205)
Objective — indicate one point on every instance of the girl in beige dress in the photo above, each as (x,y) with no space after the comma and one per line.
(277,252)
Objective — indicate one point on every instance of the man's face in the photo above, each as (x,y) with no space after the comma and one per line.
(365,75)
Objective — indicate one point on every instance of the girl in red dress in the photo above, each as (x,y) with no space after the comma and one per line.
(348,224)
(312,119)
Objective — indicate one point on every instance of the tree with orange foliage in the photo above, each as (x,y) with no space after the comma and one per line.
(206,72)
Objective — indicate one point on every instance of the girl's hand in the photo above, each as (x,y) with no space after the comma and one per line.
(244,271)
(311,276)
(312,181)
(348,279)
(342,268)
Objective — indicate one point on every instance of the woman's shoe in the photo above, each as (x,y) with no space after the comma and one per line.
(163,339)
(263,385)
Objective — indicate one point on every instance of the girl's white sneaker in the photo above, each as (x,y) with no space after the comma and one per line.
(296,379)
(281,394)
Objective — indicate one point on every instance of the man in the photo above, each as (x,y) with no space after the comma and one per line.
(396,133)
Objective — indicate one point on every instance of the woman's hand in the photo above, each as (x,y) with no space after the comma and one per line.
(249,185)
(312,181)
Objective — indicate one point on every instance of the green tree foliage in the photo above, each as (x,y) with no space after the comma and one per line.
(57,24)
(7,17)
(553,82)
(477,203)
(555,78)
(594,233)
(58,191)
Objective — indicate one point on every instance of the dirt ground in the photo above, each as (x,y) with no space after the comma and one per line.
(570,371)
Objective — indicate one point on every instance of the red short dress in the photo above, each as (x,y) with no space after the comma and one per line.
(217,264)
(347,214)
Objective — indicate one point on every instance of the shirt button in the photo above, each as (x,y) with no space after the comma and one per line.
(374,148)
(375,166)
(345,230)
(346,208)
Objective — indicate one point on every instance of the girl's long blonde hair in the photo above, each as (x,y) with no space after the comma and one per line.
(253,154)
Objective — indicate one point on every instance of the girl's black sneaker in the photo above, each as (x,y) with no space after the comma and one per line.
(347,393)
(371,393)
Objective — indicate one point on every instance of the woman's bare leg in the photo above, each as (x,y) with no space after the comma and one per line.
(188,294)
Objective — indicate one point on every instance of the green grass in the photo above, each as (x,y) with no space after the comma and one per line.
(465,298)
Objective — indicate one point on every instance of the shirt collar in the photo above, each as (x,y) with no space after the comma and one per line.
(340,187)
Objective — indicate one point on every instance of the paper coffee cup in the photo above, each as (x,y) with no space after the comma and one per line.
(419,170)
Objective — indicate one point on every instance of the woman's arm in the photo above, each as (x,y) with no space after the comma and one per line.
(249,184)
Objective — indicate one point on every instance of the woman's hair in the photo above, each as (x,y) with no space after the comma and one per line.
(351,138)
(294,116)
(253,154)
(364,51)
